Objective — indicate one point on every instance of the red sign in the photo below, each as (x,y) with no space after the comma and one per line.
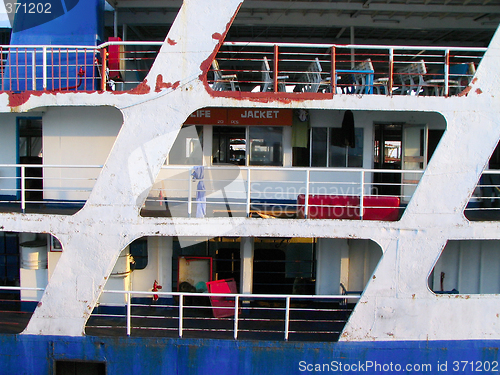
(208,116)
(252,116)
(241,116)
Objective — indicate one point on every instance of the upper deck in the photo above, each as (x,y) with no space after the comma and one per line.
(242,70)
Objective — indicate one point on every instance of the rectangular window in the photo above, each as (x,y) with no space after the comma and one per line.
(229,145)
(346,156)
(266,145)
(326,149)
(319,143)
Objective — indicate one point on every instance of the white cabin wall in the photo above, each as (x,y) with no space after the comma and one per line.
(118,280)
(364,256)
(159,266)
(77,136)
(328,260)
(470,266)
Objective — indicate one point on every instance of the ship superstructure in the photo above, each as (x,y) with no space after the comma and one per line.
(253,206)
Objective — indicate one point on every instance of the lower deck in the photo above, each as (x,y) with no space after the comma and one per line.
(257,318)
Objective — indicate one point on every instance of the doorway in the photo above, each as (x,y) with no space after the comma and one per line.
(387,155)
(30,151)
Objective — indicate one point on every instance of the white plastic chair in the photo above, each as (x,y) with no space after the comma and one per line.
(267,81)
(224,82)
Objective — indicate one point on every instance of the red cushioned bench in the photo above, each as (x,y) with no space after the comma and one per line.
(380,207)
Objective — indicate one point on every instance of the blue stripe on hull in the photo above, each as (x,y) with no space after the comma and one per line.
(36,355)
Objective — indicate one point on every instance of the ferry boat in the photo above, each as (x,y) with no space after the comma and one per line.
(202,204)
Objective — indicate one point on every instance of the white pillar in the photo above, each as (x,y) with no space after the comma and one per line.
(246,264)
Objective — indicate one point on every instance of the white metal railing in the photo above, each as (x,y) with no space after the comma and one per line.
(277,315)
(484,203)
(292,67)
(358,69)
(228,190)
(282,192)
(16,310)
(109,66)
(35,184)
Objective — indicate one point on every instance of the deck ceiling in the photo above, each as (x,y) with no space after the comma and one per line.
(413,22)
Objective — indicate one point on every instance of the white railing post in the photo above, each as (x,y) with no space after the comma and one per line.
(306,198)
(44,73)
(236,304)
(23,188)
(33,70)
(446,72)
(129,313)
(248,193)
(181,313)
(287,317)
(190,191)
(362,196)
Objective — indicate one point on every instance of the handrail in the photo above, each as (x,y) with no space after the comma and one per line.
(237,298)
(20,288)
(96,64)
(360,46)
(61,184)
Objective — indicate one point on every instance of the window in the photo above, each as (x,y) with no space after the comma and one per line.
(187,148)
(30,138)
(265,145)
(229,145)
(326,149)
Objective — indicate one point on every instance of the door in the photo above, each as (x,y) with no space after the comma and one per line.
(30,152)
(387,156)
(414,158)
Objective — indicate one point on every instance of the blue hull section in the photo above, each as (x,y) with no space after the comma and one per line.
(38,354)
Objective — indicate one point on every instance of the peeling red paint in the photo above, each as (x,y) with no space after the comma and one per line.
(465,91)
(17,99)
(270,97)
(141,89)
(479,91)
(205,65)
(171,42)
(164,85)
